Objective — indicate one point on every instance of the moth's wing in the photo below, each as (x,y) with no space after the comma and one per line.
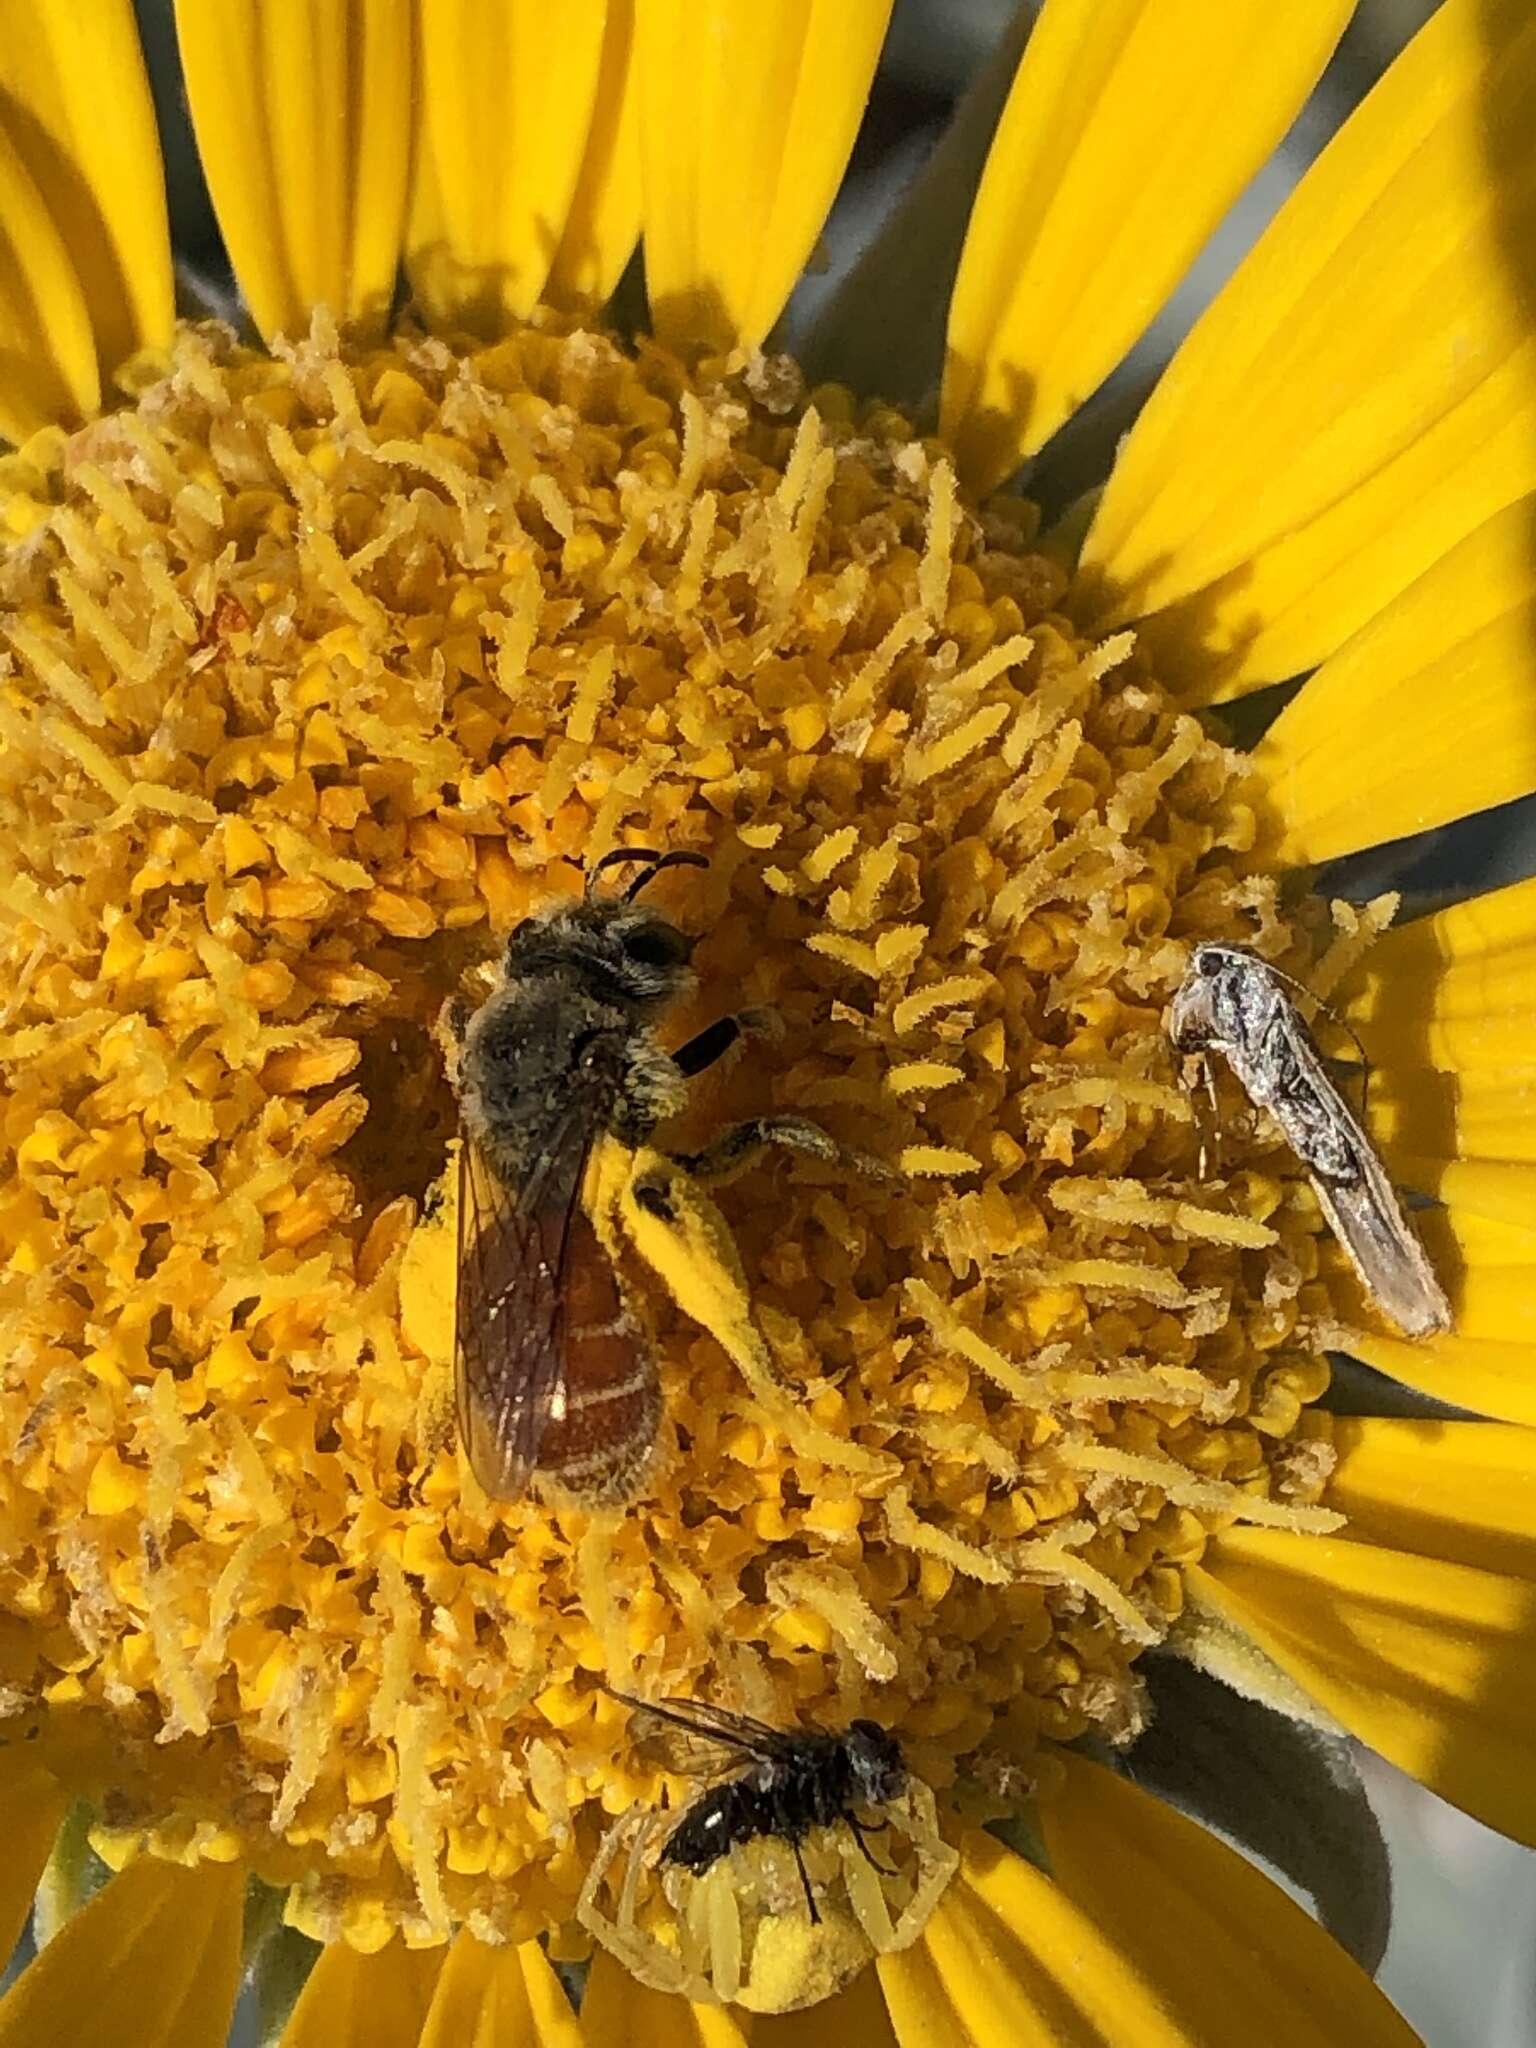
(509,1322)
(1368,1220)
(692,1739)
(1354,1188)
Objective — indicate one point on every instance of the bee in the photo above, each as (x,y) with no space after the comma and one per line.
(785,1782)
(554,1374)
(1234,1003)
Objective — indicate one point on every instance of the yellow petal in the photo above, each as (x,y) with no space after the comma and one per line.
(1362,395)
(1460,1491)
(508,94)
(74,102)
(1424,715)
(617,2012)
(487,1997)
(1488,1360)
(1502,1189)
(159,1942)
(1482,1112)
(1131,128)
(302,113)
(47,351)
(1457,989)
(748,115)
(32,1805)
(355,2001)
(1149,1931)
(1433,1663)
(603,224)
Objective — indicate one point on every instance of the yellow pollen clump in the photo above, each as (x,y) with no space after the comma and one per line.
(317,673)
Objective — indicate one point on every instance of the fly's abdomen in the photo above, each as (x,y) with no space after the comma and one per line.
(599,1437)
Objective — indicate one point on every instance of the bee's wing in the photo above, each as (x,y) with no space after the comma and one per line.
(509,1323)
(692,1739)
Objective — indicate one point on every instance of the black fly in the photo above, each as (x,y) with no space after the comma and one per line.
(783,1783)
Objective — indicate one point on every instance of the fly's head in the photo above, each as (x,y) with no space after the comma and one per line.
(879,1770)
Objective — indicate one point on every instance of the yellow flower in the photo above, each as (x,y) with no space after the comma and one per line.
(322,663)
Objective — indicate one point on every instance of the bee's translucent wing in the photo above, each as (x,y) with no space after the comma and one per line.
(509,1325)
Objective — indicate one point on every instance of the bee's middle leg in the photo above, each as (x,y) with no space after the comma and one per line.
(741,1145)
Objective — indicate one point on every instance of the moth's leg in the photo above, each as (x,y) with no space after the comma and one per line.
(715,1040)
(859,1834)
(1207,1112)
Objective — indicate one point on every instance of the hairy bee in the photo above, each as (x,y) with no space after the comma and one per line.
(783,1782)
(554,1374)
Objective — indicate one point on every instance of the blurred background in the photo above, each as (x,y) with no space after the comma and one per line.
(1461,1963)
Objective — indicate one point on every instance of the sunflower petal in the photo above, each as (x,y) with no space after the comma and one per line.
(74,102)
(1430,1661)
(1456,989)
(32,1806)
(508,97)
(1362,395)
(302,114)
(619,2012)
(353,2000)
(603,224)
(1131,128)
(1488,1360)
(160,1942)
(1150,1930)
(748,116)
(1455,1490)
(486,1996)
(1427,708)
(47,351)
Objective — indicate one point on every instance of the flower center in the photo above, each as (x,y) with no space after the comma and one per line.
(323,672)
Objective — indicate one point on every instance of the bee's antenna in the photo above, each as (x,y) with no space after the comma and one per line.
(652,862)
(617,857)
(681,859)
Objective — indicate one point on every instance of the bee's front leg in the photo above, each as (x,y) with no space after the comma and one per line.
(716,1040)
(448,1031)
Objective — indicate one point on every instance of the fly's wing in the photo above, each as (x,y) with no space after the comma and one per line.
(509,1324)
(1352,1185)
(692,1739)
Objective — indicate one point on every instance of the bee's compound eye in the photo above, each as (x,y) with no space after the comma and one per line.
(655,944)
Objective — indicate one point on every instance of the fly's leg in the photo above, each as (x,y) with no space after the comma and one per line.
(805,1882)
(859,1835)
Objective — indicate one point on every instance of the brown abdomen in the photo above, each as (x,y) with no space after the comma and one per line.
(596,1449)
